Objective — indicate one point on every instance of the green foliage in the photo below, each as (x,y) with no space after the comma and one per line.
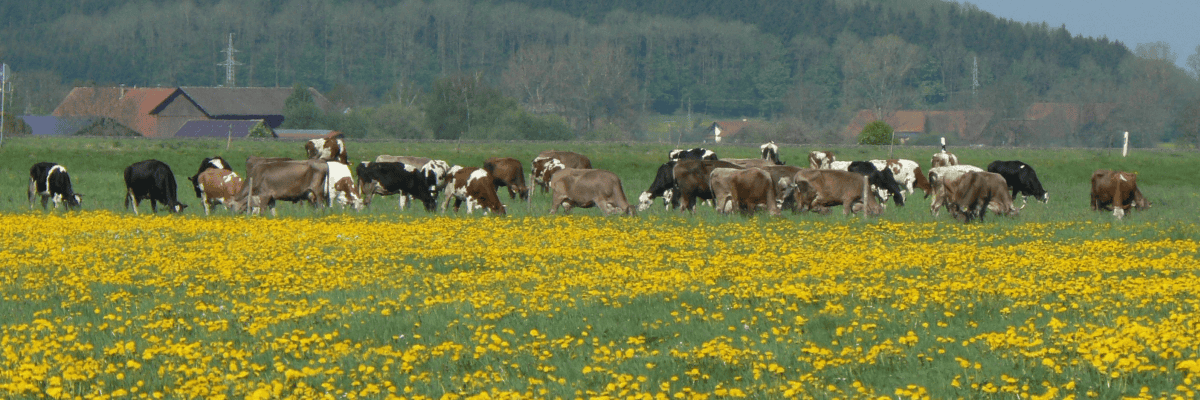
(261,130)
(395,120)
(518,124)
(876,132)
(300,111)
(464,107)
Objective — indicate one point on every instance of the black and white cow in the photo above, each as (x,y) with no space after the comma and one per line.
(153,180)
(51,182)
(883,181)
(1020,179)
(770,152)
(663,186)
(388,178)
(698,153)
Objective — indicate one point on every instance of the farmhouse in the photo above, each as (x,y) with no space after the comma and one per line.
(966,126)
(163,112)
(723,130)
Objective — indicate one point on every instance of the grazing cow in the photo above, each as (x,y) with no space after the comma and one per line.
(208,163)
(542,169)
(476,187)
(698,153)
(907,173)
(270,180)
(507,172)
(819,189)
(439,169)
(820,159)
(1117,191)
(943,159)
(971,195)
(770,152)
(1021,179)
(151,179)
(939,177)
(388,178)
(586,188)
(781,179)
(883,181)
(217,186)
(743,189)
(691,180)
(340,187)
(329,148)
(51,182)
(663,186)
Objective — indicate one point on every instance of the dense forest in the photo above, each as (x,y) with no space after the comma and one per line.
(606,69)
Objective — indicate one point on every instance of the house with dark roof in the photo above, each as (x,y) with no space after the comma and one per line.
(48,125)
(219,128)
(162,112)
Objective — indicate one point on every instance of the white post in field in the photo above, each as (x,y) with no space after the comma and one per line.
(1125,148)
(943,144)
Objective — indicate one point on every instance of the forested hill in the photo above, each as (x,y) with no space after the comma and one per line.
(610,61)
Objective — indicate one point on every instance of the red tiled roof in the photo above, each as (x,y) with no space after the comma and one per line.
(128,106)
(730,128)
(967,125)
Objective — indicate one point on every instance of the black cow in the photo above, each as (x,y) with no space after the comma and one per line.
(208,163)
(1020,178)
(151,179)
(698,153)
(388,178)
(883,180)
(663,186)
(50,181)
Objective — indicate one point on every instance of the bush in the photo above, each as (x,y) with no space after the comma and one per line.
(877,132)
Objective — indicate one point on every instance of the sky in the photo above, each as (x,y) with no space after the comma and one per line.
(1130,22)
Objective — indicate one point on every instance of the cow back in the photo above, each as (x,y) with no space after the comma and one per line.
(590,188)
(569,159)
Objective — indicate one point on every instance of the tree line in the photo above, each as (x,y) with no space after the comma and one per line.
(599,67)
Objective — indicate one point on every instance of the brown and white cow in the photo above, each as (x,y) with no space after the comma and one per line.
(1116,191)
(939,177)
(329,148)
(743,189)
(508,172)
(907,174)
(475,187)
(943,159)
(819,189)
(288,180)
(586,188)
(820,159)
(217,186)
(548,162)
(972,194)
(340,187)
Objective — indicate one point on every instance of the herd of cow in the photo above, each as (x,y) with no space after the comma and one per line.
(688,177)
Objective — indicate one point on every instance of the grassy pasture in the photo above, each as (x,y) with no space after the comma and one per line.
(1168,178)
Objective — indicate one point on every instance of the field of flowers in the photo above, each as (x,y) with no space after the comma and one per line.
(103,305)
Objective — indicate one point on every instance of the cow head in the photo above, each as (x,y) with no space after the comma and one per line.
(887,185)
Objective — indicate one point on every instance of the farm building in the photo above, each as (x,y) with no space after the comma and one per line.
(162,112)
(723,130)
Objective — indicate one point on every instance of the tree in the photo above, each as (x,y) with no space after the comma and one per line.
(300,111)
(876,132)
(875,73)
(1193,63)
(462,106)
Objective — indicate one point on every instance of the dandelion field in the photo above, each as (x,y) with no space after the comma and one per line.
(1060,302)
(116,306)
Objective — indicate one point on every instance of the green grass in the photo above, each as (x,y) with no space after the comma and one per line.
(1168,178)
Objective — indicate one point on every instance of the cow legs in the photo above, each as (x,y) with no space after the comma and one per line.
(131,198)
(33,192)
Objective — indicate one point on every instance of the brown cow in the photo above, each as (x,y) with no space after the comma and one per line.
(329,148)
(743,189)
(820,159)
(548,162)
(819,189)
(586,188)
(1116,191)
(692,180)
(217,186)
(972,194)
(939,177)
(474,186)
(508,173)
(781,178)
(290,180)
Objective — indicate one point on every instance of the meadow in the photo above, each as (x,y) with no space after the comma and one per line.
(1060,302)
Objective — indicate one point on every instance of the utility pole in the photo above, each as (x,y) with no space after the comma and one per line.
(229,63)
(3,90)
(974,76)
